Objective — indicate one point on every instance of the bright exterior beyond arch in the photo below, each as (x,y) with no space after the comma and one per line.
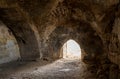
(71,49)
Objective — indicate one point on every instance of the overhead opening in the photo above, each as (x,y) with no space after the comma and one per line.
(71,49)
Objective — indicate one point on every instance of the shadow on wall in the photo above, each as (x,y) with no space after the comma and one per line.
(9,50)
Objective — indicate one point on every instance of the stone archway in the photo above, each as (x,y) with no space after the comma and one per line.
(9,50)
(23,32)
(85,38)
(71,49)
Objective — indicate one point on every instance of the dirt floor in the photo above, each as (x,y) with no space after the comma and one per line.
(43,69)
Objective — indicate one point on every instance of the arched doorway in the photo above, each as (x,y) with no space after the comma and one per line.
(71,50)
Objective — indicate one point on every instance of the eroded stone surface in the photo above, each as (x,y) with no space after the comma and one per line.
(9,50)
(41,27)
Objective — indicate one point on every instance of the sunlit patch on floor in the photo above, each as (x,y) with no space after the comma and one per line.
(65,70)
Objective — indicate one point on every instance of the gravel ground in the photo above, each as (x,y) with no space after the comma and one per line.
(59,69)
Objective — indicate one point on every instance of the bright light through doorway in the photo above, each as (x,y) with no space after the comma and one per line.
(71,49)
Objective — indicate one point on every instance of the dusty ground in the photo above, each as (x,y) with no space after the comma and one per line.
(60,69)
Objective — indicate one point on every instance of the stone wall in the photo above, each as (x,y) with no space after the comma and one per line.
(114,46)
(94,24)
(9,50)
